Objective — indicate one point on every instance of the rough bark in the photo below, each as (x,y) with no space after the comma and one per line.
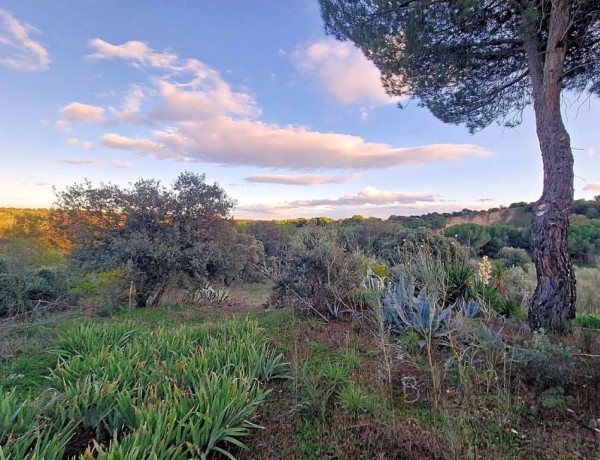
(552,305)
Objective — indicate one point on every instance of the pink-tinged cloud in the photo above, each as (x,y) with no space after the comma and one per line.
(342,71)
(135,52)
(290,179)
(143,146)
(23,53)
(227,141)
(213,99)
(368,202)
(592,187)
(76,112)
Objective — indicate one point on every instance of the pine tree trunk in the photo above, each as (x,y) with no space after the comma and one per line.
(552,305)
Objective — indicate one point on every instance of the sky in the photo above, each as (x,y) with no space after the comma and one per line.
(252,93)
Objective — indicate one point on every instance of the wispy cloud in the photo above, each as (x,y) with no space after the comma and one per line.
(368,201)
(123,164)
(17,49)
(134,52)
(79,161)
(343,72)
(132,102)
(83,144)
(143,146)
(290,179)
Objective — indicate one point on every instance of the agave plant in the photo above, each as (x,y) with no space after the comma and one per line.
(218,296)
(419,312)
(373,282)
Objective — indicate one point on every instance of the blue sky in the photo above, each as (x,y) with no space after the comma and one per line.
(290,122)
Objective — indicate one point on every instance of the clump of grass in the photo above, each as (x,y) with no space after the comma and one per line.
(354,399)
(166,393)
(588,321)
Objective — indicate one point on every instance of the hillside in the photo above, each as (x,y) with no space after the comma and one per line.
(517,214)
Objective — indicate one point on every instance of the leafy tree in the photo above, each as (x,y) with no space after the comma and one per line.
(473,62)
(154,233)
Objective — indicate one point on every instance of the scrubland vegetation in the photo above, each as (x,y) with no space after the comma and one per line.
(146,323)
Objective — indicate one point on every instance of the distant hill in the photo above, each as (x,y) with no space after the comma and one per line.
(8,216)
(517,214)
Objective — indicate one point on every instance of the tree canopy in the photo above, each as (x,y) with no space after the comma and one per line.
(154,232)
(466,60)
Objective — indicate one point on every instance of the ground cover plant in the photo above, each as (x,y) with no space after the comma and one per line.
(124,391)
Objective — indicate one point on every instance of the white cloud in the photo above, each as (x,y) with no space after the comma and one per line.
(77,112)
(226,141)
(591,153)
(78,161)
(84,144)
(343,71)
(300,180)
(123,164)
(368,195)
(592,187)
(25,53)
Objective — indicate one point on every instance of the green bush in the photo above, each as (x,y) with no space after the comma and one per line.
(544,364)
(21,288)
(320,277)
(514,257)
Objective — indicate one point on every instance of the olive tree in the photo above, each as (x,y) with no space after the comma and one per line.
(473,62)
(153,232)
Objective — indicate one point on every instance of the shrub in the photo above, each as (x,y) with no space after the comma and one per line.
(544,364)
(21,289)
(520,284)
(420,313)
(320,277)
(514,257)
